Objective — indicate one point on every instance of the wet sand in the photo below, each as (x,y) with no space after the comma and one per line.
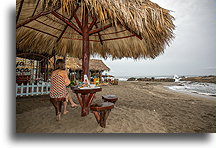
(143,107)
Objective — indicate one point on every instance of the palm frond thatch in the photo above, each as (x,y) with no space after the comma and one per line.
(76,64)
(131,20)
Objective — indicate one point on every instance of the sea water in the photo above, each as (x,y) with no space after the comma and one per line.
(208,89)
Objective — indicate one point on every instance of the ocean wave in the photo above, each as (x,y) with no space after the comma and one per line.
(122,79)
(208,89)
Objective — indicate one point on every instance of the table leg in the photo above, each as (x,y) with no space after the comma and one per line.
(85,110)
(91,97)
(80,102)
(86,102)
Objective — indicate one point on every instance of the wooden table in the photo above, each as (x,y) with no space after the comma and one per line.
(87,95)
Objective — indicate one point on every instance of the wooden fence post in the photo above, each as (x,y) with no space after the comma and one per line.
(32,93)
(22,89)
(37,88)
(27,89)
(42,88)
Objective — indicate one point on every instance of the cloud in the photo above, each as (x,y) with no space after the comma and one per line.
(209,68)
(191,52)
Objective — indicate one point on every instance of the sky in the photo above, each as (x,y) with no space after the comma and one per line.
(192,52)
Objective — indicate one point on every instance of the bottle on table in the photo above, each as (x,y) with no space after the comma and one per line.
(86,82)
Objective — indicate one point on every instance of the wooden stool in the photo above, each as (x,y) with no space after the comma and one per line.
(101,112)
(110,98)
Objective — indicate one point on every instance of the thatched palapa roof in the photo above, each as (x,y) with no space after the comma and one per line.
(143,28)
(76,64)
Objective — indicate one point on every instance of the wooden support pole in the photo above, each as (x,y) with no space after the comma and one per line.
(79,39)
(19,11)
(100,29)
(113,32)
(120,37)
(91,26)
(36,74)
(41,31)
(92,23)
(85,50)
(60,36)
(54,20)
(28,20)
(64,58)
(54,56)
(56,14)
(47,70)
(138,36)
(72,15)
(78,21)
(99,35)
(36,7)
(48,25)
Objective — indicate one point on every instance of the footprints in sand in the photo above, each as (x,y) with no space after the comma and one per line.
(126,120)
(121,120)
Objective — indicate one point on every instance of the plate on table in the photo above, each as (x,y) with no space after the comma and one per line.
(89,87)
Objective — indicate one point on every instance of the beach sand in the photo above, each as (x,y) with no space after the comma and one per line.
(142,107)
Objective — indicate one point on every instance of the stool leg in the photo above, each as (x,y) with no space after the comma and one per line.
(104,115)
(107,114)
(97,116)
(102,121)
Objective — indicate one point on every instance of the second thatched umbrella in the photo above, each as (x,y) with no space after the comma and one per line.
(108,28)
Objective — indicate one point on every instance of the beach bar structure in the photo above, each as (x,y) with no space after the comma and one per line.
(96,67)
(118,29)
(32,74)
(32,68)
(80,28)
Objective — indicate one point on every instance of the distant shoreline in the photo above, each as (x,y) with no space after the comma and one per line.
(192,94)
(204,79)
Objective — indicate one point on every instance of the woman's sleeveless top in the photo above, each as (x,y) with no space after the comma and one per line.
(58,88)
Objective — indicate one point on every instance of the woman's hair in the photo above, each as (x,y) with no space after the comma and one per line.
(60,64)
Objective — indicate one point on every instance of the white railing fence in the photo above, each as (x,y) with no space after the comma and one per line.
(32,89)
